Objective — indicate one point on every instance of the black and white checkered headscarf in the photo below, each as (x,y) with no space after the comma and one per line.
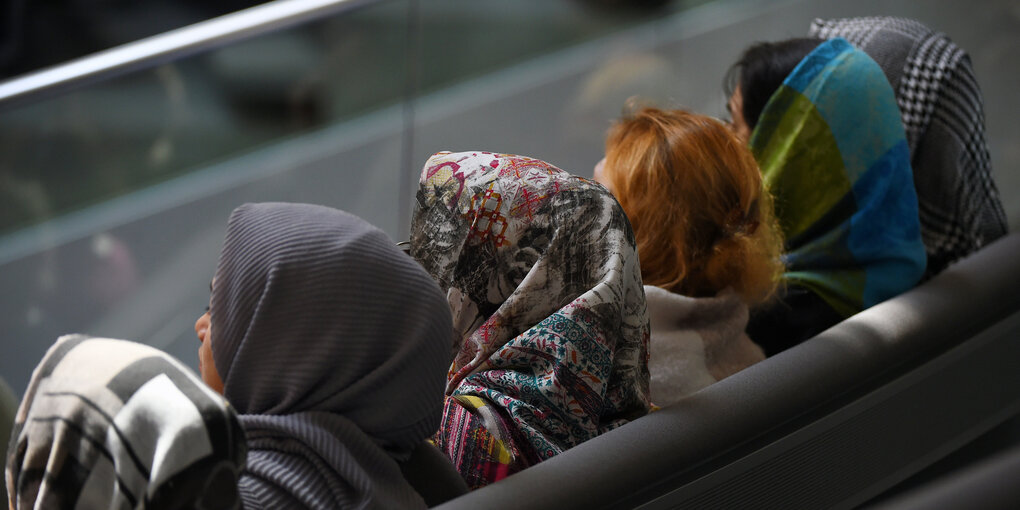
(942,112)
(116,424)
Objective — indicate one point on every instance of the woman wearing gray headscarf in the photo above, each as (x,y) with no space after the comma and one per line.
(332,345)
(116,424)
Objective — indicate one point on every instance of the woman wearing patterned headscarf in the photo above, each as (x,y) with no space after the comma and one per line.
(550,325)
(833,152)
(331,344)
(116,424)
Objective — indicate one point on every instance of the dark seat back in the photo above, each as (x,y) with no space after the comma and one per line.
(990,483)
(432,474)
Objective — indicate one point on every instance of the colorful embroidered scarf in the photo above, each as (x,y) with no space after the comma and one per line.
(551,327)
(332,344)
(832,150)
(116,424)
(941,106)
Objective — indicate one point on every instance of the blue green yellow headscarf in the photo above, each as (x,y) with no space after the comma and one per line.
(833,152)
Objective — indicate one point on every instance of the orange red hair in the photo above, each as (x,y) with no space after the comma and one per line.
(695,198)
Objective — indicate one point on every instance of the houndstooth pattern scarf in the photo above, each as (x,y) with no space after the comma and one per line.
(942,111)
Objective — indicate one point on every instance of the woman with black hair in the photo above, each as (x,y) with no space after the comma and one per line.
(757,75)
(822,121)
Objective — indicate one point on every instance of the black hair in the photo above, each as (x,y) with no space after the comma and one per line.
(762,69)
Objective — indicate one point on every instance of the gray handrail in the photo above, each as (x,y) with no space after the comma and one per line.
(168,46)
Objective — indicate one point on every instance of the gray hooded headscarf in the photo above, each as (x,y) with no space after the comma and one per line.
(333,346)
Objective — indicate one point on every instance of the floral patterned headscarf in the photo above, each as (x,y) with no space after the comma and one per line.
(542,276)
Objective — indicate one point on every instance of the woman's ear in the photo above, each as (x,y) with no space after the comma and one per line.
(599,173)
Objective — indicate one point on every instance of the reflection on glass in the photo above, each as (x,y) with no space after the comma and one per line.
(331,105)
(106,140)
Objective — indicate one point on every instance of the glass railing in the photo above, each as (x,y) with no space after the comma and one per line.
(115,190)
(119,170)
(107,125)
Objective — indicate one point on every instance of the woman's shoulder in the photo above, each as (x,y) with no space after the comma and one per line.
(670,310)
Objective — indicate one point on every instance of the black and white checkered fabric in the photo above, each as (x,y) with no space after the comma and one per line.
(118,425)
(943,115)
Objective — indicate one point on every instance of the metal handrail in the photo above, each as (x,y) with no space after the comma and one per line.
(168,46)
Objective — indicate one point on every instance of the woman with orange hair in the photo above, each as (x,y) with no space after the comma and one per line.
(707,241)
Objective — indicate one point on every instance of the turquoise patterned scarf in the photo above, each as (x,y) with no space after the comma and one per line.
(833,152)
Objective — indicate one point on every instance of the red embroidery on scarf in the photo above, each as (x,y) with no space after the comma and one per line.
(487,223)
